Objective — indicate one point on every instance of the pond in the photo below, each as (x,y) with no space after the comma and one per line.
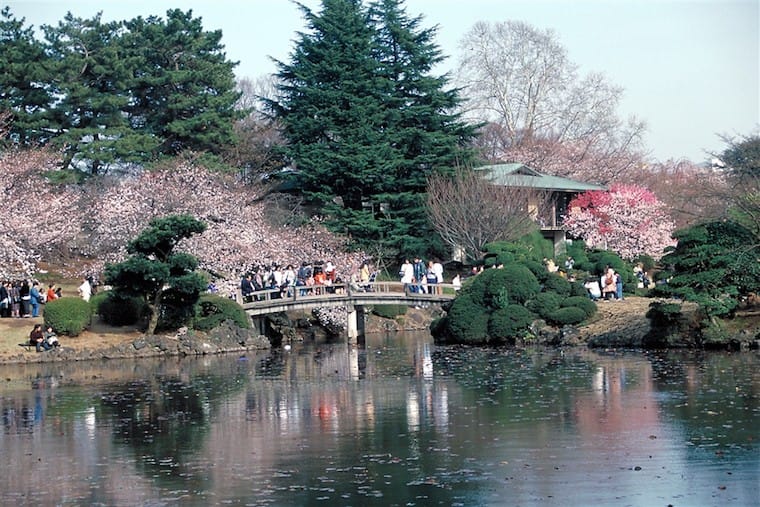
(396,421)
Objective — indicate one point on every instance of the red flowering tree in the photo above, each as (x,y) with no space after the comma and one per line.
(627,219)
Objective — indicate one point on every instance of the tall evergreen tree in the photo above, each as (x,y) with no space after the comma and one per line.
(24,72)
(365,121)
(92,79)
(183,87)
(426,134)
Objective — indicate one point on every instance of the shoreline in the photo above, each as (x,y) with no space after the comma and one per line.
(618,324)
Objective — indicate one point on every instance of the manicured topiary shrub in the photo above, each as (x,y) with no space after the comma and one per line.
(211,310)
(538,269)
(555,283)
(389,311)
(97,299)
(68,316)
(577,289)
(567,316)
(508,324)
(520,283)
(544,303)
(582,302)
(467,322)
(120,311)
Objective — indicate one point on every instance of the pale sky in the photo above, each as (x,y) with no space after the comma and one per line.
(689,68)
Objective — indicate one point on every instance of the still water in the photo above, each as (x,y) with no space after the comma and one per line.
(397,421)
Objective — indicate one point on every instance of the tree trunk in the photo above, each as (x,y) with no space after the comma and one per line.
(154,307)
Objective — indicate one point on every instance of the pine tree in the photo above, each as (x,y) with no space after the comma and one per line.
(92,79)
(24,70)
(365,121)
(158,274)
(183,86)
(426,134)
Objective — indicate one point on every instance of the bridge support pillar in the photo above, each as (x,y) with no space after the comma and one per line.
(354,323)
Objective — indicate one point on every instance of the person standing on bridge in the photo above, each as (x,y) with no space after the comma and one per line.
(419,274)
(407,274)
(246,288)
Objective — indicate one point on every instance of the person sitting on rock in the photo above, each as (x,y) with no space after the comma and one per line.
(37,338)
(51,338)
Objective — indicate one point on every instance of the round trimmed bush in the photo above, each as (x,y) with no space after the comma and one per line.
(68,316)
(555,283)
(467,322)
(582,302)
(544,304)
(211,310)
(567,316)
(520,283)
(577,289)
(508,324)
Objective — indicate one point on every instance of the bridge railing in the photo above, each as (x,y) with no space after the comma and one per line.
(346,291)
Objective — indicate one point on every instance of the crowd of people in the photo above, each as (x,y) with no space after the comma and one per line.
(281,281)
(24,298)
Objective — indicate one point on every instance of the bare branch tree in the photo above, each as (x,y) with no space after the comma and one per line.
(519,79)
(258,134)
(468,211)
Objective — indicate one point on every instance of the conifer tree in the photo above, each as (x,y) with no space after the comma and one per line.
(155,272)
(92,79)
(24,71)
(183,86)
(366,122)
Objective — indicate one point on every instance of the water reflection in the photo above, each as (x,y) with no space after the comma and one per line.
(395,422)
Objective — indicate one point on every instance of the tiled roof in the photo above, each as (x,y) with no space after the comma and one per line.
(520,175)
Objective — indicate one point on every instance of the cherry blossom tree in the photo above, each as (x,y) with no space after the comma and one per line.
(627,219)
(692,193)
(239,235)
(39,217)
(80,227)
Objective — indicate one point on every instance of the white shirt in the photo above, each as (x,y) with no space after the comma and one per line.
(85,290)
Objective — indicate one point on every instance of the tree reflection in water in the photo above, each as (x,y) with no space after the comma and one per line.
(397,421)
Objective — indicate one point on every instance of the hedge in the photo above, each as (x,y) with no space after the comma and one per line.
(567,316)
(68,316)
(582,302)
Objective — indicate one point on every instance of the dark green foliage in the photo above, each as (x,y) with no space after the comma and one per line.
(743,158)
(211,310)
(22,90)
(466,322)
(165,280)
(68,316)
(577,289)
(520,283)
(555,283)
(183,94)
(577,250)
(582,302)
(389,311)
(538,247)
(367,123)
(118,310)
(567,316)
(544,304)
(510,323)
(105,95)
(713,264)
(663,315)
